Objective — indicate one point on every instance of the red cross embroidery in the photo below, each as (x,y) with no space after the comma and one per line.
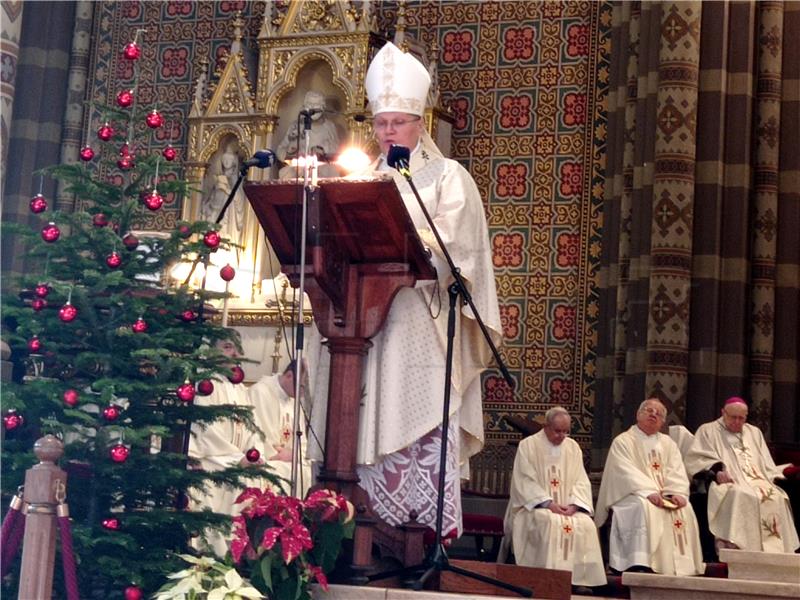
(656,465)
(677,523)
(567,528)
(555,483)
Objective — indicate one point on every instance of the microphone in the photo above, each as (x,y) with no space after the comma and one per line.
(261,159)
(312,111)
(398,157)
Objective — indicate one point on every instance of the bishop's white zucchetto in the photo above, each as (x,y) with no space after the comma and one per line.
(396,82)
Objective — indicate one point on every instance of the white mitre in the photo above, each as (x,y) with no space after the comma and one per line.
(397,82)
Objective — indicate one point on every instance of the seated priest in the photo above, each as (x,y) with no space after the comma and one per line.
(549,515)
(645,485)
(272,399)
(746,510)
(220,445)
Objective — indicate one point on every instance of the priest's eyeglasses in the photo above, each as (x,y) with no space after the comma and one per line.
(393,124)
(649,410)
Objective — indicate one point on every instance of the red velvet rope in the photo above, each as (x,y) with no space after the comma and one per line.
(12,531)
(68,558)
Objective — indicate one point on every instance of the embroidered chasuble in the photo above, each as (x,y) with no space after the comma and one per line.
(273,413)
(752,512)
(404,372)
(540,538)
(665,540)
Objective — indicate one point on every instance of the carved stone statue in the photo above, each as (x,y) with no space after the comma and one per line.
(324,139)
(220,178)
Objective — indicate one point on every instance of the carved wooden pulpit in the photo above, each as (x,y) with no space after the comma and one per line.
(362,247)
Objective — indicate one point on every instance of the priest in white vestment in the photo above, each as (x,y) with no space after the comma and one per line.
(404,371)
(272,399)
(549,515)
(645,484)
(218,446)
(746,510)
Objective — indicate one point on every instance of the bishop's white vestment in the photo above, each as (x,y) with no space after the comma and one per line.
(752,512)
(404,372)
(273,413)
(665,540)
(540,538)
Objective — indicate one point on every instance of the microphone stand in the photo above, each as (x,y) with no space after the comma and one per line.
(309,184)
(436,560)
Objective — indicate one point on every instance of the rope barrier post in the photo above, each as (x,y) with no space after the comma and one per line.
(39,544)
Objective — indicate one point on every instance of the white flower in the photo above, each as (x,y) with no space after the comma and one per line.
(235,588)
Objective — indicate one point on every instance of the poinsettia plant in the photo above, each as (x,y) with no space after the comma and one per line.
(285,543)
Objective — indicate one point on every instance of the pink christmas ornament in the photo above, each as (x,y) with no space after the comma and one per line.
(86,153)
(50,232)
(38,204)
(67,313)
(114,260)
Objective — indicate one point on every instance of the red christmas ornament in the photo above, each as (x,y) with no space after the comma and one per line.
(227,273)
(125,150)
(111,523)
(111,413)
(12,420)
(130,241)
(100,220)
(188,315)
(139,326)
(184,230)
(185,391)
(133,592)
(125,98)
(86,153)
(71,397)
(114,260)
(153,200)
(119,453)
(211,239)
(34,344)
(125,163)
(50,232)
(38,204)
(252,455)
(169,153)
(106,132)
(154,120)
(38,304)
(42,290)
(132,51)
(237,375)
(67,313)
(205,387)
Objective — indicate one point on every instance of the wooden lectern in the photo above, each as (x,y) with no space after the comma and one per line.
(362,247)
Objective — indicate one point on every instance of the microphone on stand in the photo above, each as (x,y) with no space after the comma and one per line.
(398,158)
(261,159)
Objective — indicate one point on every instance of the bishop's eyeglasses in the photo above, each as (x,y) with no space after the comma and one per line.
(381,124)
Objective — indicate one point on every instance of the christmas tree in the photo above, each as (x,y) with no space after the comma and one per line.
(112,351)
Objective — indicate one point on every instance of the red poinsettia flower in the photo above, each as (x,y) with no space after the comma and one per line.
(294,539)
(315,572)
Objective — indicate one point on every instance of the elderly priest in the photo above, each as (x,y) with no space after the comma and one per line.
(645,483)
(549,515)
(746,509)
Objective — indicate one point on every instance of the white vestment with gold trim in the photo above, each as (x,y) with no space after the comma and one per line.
(667,541)
(752,512)
(540,538)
